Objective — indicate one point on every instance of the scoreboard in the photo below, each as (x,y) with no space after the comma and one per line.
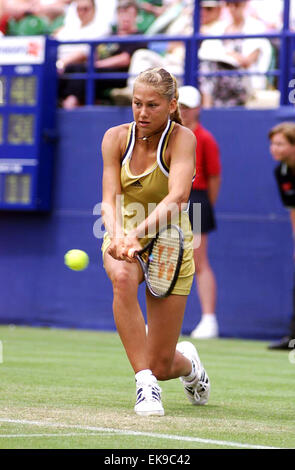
(28,100)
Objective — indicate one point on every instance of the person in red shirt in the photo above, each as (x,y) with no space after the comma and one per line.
(205,191)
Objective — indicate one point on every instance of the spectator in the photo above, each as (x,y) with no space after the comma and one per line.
(116,57)
(172,57)
(142,59)
(270,12)
(282,148)
(53,10)
(149,10)
(253,55)
(171,12)
(211,52)
(105,13)
(183,23)
(211,22)
(204,191)
(34,17)
(72,58)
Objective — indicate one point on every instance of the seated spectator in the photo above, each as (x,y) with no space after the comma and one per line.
(72,57)
(105,12)
(183,23)
(116,57)
(172,55)
(111,57)
(210,17)
(34,17)
(53,10)
(253,55)
(171,11)
(149,10)
(270,12)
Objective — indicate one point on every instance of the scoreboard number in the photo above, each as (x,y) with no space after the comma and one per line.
(21,129)
(23,91)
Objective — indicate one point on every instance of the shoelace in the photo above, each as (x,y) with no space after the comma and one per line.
(201,387)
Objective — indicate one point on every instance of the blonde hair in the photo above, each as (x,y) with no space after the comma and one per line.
(285,128)
(165,84)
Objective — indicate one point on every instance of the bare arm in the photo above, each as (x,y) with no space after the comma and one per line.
(156,10)
(77,57)
(51,10)
(246,61)
(213,188)
(111,185)
(118,60)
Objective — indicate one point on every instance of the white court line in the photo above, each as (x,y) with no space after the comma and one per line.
(127,432)
(68,434)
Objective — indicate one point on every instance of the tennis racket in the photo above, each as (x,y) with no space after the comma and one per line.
(161,259)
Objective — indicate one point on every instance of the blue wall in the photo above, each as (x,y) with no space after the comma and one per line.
(251,251)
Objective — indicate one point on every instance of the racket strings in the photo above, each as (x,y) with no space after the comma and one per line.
(163,261)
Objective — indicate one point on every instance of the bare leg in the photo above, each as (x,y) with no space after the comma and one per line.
(128,317)
(165,318)
(206,288)
(205,278)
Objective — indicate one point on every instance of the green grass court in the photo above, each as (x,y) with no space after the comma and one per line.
(70,389)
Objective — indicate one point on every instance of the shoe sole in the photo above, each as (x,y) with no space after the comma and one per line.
(150,413)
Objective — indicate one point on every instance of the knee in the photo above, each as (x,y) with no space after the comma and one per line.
(123,281)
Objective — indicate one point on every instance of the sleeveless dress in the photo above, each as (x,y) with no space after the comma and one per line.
(140,195)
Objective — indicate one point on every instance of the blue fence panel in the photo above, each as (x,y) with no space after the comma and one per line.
(285,70)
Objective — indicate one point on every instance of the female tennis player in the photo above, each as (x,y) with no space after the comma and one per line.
(150,161)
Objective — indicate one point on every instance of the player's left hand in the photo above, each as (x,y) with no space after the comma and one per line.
(131,245)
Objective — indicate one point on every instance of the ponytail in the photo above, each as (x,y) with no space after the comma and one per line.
(176,116)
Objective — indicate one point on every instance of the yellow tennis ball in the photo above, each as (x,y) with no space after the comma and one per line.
(77,260)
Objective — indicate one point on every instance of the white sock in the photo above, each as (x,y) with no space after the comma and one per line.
(208,317)
(193,374)
(144,375)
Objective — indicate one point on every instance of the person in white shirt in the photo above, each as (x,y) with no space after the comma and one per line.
(89,26)
(249,54)
(105,12)
(70,56)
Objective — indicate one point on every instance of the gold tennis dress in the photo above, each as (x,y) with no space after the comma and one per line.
(140,195)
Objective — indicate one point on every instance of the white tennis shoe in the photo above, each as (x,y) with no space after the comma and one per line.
(198,390)
(148,399)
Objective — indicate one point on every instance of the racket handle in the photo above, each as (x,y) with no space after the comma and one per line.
(131,253)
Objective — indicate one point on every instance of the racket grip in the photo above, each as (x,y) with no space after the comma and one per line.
(131,253)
